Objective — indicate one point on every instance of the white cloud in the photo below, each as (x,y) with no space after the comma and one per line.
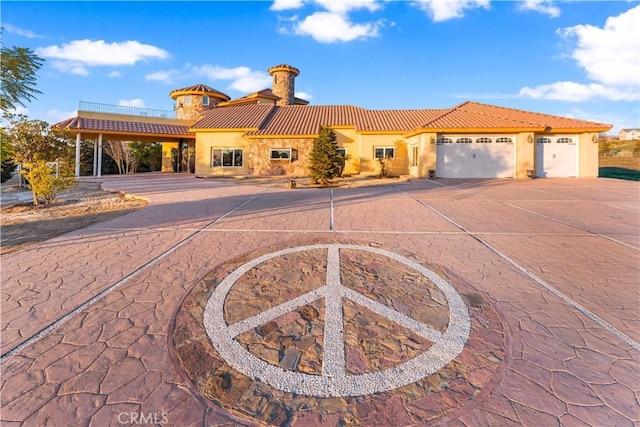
(114,74)
(329,27)
(543,6)
(609,57)
(71,67)
(74,57)
(303,95)
(286,4)
(244,78)
(54,116)
(343,6)
(166,76)
(578,92)
(137,102)
(443,10)
(19,31)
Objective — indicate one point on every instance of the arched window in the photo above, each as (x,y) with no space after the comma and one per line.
(464,141)
(564,141)
(542,140)
(483,140)
(504,140)
(443,140)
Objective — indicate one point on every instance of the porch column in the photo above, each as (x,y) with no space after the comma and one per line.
(95,157)
(78,155)
(99,155)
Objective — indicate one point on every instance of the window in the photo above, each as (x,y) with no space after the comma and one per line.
(542,140)
(504,140)
(226,157)
(464,141)
(280,154)
(205,100)
(443,140)
(483,140)
(385,153)
(564,141)
(187,100)
(414,155)
(341,152)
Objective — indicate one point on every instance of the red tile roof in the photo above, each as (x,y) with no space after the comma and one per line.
(307,119)
(201,89)
(264,93)
(123,126)
(396,120)
(477,115)
(248,116)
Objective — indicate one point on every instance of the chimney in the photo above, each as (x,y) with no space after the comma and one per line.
(284,83)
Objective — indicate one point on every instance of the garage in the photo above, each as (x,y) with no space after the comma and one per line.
(475,156)
(556,156)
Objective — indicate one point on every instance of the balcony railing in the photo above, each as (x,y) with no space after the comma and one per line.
(121,109)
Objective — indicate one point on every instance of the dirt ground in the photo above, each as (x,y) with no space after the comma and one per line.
(24,225)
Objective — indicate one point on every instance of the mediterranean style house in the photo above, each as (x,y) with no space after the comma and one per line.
(271,132)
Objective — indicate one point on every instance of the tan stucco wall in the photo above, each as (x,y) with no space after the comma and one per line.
(350,141)
(428,154)
(369,165)
(525,152)
(166,155)
(587,156)
(205,141)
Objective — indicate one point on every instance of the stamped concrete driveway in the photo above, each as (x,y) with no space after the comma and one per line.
(86,316)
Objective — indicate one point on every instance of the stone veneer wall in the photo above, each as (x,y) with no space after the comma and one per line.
(260,163)
(194,110)
(284,87)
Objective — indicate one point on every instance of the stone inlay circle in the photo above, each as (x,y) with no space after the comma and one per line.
(334,380)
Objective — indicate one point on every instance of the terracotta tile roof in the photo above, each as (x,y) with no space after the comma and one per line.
(307,119)
(476,115)
(396,120)
(248,116)
(264,93)
(199,89)
(123,126)
(267,119)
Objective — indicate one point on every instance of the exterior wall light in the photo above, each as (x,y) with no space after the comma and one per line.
(595,138)
(530,139)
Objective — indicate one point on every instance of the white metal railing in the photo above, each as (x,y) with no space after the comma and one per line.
(126,110)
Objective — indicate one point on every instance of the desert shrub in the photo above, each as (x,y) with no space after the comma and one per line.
(44,183)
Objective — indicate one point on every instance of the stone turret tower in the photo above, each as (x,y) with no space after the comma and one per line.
(193,101)
(284,83)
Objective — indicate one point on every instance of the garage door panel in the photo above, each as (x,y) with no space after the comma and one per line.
(474,157)
(556,156)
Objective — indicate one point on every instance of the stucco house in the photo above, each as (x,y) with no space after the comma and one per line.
(271,132)
(629,134)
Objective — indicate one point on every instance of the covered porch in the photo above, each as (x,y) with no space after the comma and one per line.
(103,122)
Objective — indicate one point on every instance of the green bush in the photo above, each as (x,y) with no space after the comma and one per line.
(324,163)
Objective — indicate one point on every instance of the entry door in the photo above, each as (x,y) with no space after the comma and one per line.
(414,160)
(556,156)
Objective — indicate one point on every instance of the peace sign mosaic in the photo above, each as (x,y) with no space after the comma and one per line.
(336,331)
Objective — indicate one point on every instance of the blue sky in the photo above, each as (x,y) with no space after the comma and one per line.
(576,58)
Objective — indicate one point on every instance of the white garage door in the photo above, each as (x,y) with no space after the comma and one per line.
(468,156)
(556,156)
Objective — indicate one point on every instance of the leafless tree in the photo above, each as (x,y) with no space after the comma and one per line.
(121,153)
